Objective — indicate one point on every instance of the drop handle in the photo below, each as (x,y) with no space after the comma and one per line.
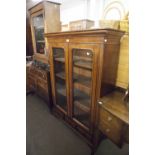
(109,119)
(107,130)
(100,102)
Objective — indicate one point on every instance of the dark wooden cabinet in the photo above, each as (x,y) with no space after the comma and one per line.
(38,80)
(83,68)
(114,117)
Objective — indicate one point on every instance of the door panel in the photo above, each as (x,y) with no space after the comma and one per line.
(59,75)
(82,79)
(37,20)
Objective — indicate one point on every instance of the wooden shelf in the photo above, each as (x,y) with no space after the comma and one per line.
(77,58)
(62,101)
(83,64)
(60,60)
(82,97)
(40,41)
(39,27)
(81,116)
(60,89)
(82,80)
(82,83)
(82,106)
(61,75)
(82,87)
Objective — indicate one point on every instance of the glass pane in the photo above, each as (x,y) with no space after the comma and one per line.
(60,77)
(38,24)
(82,76)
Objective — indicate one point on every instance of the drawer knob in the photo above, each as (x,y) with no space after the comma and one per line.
(109,119)
(67,40)
(107,130)
(100,102)
(88,53)
(105,40)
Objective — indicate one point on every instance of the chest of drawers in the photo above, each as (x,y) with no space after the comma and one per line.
(113,118)
(38,80)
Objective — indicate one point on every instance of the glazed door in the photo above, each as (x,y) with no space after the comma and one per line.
(59,75)
(82,69)
(37,27)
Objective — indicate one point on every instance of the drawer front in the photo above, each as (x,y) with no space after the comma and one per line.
(110,126)
(33,70)
(42,74)
(31,83)
(43,84)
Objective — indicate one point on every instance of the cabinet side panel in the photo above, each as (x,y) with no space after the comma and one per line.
(52,18)
(109,70)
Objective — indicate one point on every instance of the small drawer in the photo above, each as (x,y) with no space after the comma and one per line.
(31,83)
(110,126)
(42,83)
(42,75)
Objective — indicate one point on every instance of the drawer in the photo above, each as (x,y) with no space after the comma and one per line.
(41,83)
(110,125)
(33,70)
(31,83)
(42,74)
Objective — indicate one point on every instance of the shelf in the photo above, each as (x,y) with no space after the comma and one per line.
(82,83)
(83,64)
(83,80)
(40,41)
(61,75)
(62,101)
(81,116)
(77,58)
(82,87)
(60,89)
(60,59)
(82,106)
(39,27)
(82,97)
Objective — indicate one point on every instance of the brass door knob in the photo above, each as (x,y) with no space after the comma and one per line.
(109,118)
(100,102)
(107,130)
(67,40)
(105,40)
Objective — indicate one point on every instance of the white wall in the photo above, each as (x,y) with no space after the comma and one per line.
(88,9)
(73,10)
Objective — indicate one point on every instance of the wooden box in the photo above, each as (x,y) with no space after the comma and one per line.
(81,24)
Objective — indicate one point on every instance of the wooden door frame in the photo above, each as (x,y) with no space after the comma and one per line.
(95,48)
(65,47)
(38,56)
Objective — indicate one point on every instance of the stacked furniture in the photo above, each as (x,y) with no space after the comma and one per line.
(44,18)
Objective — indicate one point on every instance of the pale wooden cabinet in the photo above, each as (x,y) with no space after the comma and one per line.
(44,18)
(83,68)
